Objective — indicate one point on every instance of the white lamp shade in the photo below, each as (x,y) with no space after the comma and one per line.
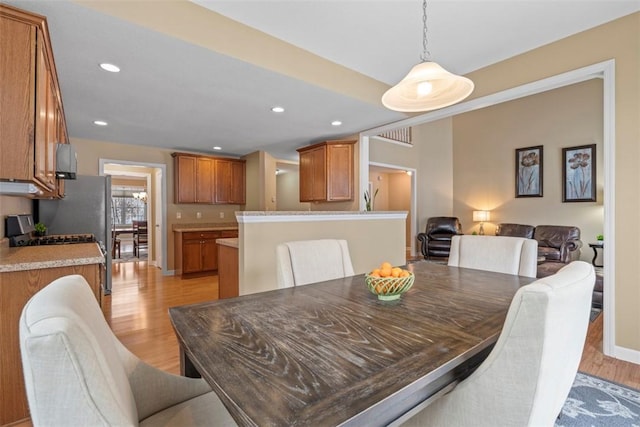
(480,216)
(412,93)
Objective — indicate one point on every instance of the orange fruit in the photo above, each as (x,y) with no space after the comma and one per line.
(385,265)
(395,272)
(385,272)
(375,273)
(405,273)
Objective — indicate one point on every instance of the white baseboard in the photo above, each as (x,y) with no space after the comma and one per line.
(627,354)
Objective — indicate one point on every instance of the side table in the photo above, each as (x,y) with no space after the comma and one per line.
(595,247)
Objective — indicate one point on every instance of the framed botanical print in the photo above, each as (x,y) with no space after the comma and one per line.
(579,174)
(529,171)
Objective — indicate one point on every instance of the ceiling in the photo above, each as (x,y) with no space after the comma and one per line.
(192,79)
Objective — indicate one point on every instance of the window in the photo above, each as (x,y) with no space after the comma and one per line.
(125,208)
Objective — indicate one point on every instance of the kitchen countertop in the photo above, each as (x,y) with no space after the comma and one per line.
(51,256)
(204,227)
(232,242)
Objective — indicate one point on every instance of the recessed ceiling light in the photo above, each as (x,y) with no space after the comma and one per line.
(277,109)
(217,148)
(336,123)
(110,67)
(100,123)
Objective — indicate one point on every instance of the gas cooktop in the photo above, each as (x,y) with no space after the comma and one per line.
(62,239)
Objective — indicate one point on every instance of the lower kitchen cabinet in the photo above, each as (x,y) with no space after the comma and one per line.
(16,288)
(196,251)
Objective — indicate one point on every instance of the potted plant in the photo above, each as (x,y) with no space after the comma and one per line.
(40,228)
(600,239)
(368,200)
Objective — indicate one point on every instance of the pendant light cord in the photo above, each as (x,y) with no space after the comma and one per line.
(425,53)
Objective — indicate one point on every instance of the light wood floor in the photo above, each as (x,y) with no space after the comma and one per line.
(137,312)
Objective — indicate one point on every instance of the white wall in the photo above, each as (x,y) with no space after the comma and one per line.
(288,191)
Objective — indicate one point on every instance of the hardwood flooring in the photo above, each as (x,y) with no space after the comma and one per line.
(137,310)
(137,313)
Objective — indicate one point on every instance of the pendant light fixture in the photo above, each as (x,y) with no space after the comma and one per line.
(428,86)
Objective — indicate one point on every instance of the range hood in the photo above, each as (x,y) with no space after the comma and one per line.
(66,161)
(20,189)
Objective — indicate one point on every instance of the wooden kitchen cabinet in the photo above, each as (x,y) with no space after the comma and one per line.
(197,253)
(32,119)
(326,172)
(230,181)
(208,180)
(193,179)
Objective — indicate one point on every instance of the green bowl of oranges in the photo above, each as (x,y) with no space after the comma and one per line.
(388,282)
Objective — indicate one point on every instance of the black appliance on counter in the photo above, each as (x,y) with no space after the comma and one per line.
(18,229)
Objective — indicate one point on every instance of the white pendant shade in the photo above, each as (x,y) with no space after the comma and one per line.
(428,86)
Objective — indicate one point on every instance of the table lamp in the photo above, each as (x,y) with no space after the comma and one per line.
(481,217)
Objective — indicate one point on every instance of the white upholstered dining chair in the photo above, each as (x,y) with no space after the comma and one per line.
(502,254)
(309,261)
(527,377)
(78,373)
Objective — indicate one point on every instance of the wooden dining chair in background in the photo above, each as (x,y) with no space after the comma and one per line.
(115,245)
(140,237)
(309,261)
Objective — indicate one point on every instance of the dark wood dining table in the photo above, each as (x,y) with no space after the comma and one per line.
(332,353)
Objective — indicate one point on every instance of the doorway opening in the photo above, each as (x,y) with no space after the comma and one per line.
(392,188)
(152,178)
(605,71)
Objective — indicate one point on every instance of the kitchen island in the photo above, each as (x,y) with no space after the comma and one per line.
(228,268)
(23,272)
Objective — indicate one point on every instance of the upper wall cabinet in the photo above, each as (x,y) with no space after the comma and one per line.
(32,119)
(326,172)
(230,181)
(208,180)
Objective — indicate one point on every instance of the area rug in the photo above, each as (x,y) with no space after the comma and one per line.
(594,402)
(128,257)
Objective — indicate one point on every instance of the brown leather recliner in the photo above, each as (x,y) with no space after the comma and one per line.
(558,243)
(436,240)
(515,230)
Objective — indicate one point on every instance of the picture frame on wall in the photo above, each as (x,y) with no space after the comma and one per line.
(579,173)
(529,171)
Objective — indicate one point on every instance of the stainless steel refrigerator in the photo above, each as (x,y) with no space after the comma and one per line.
(85,209)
